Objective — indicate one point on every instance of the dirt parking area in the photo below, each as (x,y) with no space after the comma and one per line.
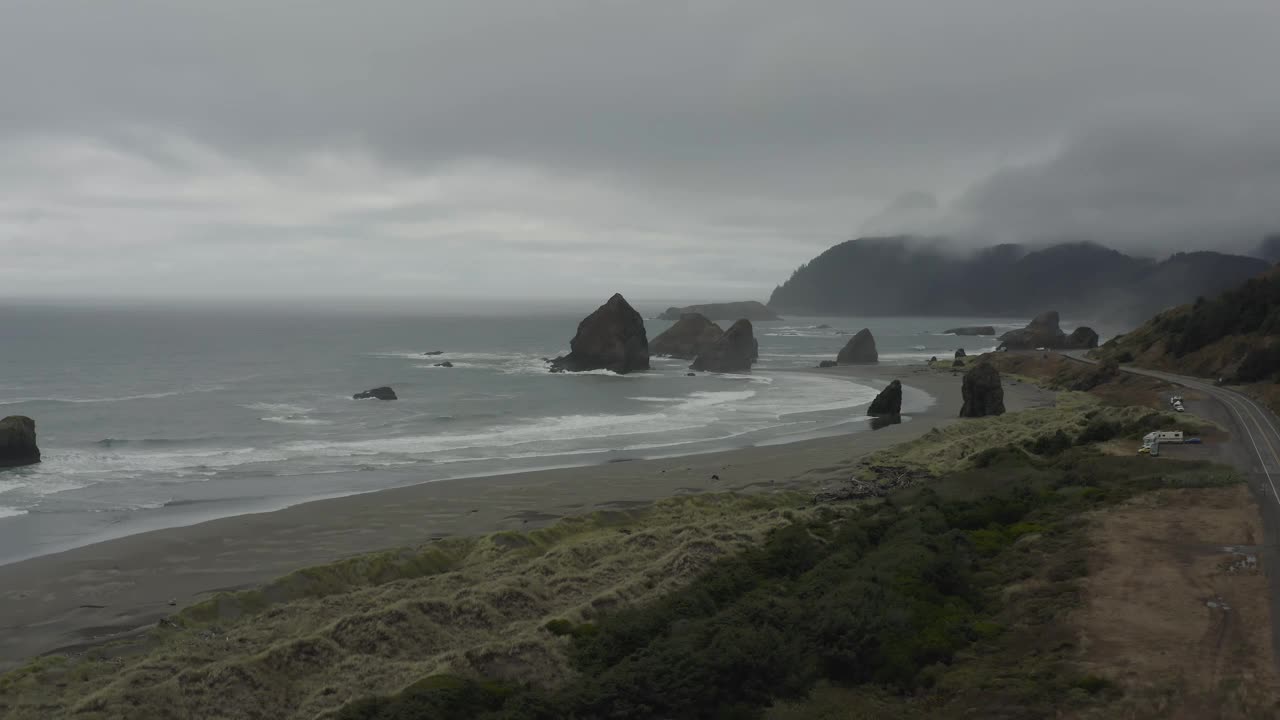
(1175,607)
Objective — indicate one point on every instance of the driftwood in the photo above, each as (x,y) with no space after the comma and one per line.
(885,479)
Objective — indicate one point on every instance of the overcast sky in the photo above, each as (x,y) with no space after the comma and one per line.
(555,149)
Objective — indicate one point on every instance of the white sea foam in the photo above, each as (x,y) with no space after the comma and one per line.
(122,398)
(295,420)
(11,512)
(283,408)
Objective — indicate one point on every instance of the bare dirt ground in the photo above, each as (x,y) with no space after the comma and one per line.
(1176,607)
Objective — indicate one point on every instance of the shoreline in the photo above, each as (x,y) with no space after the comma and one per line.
(95,592)
(54,533)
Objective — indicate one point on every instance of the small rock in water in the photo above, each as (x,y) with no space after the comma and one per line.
(434,352)
(379,393)
(715,477)
(446,363)
(827,364)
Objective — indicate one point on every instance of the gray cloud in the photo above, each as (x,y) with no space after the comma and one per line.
(700,148)
(1156,186)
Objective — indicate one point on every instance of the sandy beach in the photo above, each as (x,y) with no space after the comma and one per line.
(97,592)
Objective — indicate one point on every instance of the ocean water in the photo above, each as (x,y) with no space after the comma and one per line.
(154,417)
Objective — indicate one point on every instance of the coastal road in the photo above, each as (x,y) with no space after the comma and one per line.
(1253,449)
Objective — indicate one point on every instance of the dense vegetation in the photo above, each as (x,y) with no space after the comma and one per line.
(911,602)
(1234,334)
(905,276)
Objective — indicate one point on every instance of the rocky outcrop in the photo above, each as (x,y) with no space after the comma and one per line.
(18,441)
(735,351)
(860,350)
(972,330)
(961,353)
(445,364)
(1041,332)
(689,337)
(611,338)
(750,310)
(434,352)
(828,364)
(378,393)
(1083,338)
(888,402)
(982,392)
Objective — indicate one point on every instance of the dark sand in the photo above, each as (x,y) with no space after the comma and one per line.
(94,593)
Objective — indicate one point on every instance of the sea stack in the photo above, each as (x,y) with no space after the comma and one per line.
(18,441)
(611,338)
(1082,338)
(736,351)
(1041,332)
(983,395)
(888,402)
(860,350)
(692,334)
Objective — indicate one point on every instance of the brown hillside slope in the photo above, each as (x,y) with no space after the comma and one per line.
(1234,337)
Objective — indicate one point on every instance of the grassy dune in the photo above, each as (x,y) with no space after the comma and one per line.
(313,640)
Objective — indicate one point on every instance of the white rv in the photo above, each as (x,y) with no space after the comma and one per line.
(1151,441)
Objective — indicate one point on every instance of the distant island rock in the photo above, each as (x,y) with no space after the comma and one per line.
(972,330)
(378,393)
(1044,332)
(750,310)
(736,351)
(690,336)
(18,441)
(982,392)
(611,338)
(434,352)
(860,350)
(888,402)
(921,276)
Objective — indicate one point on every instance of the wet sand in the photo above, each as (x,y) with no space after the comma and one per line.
(94,593)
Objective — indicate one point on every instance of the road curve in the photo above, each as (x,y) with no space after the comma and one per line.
(1259,428)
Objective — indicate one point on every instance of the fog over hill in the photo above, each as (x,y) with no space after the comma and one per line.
(913,276)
